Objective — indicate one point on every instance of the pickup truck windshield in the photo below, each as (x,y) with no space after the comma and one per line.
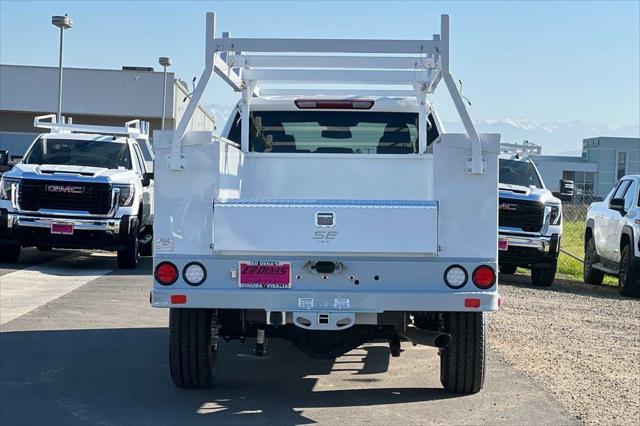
(341,132)
(76,152)
(521,173)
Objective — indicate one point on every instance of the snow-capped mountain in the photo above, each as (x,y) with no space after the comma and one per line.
(558,138)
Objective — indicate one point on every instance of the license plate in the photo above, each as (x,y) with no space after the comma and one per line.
(265,275)
(503,245)
(62,228)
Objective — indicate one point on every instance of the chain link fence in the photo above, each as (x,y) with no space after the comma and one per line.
(571,256)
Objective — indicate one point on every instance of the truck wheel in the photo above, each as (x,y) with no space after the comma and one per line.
(543,277)
(508,269)
(463,362)
(146,242)
(590,274)
(128,257)
(193,347)
(628,278)
(9,253)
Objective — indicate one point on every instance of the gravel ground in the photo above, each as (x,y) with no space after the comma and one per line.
(580,342)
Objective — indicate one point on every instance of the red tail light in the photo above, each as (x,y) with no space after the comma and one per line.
(334,104)
(166,273)
(484,277)
(471,303)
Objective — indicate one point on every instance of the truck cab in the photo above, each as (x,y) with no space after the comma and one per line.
(79,186)
(327,217)
(612,237)
(530,221)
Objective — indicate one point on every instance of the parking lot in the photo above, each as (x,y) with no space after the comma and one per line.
(81,345)
(89,350)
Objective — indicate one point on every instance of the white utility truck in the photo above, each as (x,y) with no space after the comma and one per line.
(327,216)
(80,186)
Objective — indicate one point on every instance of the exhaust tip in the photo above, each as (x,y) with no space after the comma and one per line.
(442,341)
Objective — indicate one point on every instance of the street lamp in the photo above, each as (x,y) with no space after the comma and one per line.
(64,23)
(164,62)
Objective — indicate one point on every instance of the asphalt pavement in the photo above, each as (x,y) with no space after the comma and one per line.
(95,352)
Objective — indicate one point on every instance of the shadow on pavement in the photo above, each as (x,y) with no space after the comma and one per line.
(121,376)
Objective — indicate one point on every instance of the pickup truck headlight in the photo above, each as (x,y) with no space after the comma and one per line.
(7,186)
(555,215)
(126,195)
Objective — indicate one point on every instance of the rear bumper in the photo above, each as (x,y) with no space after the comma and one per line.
(295,301)
(31,230)
(361,285)
(525,250)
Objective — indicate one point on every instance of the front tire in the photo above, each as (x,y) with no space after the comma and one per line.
(193,347)
(9,253)
(463,362)
(590,274)
(128,257)
(628,277)
(544,276)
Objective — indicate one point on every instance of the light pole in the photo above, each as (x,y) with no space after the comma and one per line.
(64,23)
(165,62)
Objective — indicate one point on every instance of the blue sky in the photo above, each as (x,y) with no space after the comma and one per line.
(546,61)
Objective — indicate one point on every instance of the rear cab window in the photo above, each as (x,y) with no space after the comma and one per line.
(337,132)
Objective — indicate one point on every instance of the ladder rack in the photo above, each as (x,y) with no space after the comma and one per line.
(136,129)
(250,65)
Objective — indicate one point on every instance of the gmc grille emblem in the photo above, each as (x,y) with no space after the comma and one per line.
(508,206)
(65,189)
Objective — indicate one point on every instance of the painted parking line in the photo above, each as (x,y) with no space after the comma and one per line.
(25,290)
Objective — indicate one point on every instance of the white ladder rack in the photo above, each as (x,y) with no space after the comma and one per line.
(249,65)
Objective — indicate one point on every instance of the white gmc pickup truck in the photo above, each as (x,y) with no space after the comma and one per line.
(327,217)
(80,186)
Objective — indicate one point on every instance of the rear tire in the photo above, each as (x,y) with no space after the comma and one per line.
(193,347)
(544,277)
(129,256)
(9,253)
(590,274)
(508,269)
(463,362)
(628,277)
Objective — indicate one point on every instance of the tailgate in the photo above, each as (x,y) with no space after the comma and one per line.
(307,227)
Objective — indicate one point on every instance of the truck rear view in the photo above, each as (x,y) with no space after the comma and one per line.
(327,217)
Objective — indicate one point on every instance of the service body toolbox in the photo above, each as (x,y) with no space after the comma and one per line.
(327,217)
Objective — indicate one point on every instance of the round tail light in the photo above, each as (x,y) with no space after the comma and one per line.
(166,273)
(194,273)
(484,277)
(455,276)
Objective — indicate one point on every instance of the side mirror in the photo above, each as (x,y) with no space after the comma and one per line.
(146,178)
(617,204)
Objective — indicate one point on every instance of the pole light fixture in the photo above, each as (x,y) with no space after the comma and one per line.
(64,23)
(164,62)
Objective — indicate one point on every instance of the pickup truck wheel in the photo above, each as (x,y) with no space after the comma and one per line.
(9,253)
(628,277)
(590,274)
(129,256)
(193,347)
(146,247)
(508,269)
(463,362)
(543,277)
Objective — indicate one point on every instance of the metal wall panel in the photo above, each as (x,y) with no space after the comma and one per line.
(86,91)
